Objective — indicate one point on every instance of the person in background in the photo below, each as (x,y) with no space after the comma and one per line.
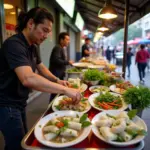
(58,60)
(129,56)
(86,48)
(141,59)
(18,61)
(108,54)
(148,61)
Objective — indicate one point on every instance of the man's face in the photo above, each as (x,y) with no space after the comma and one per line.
(66,41)
(40,32)
(88,42)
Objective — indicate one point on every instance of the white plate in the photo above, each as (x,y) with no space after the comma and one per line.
(81,65)
(83,87)
(136,120)
(96,66)
(58,99)
(93,96)
(38,129)
(97,86)
(114,89)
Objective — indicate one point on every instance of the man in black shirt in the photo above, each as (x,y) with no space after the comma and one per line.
(58,60)
(18,61)
(85,48)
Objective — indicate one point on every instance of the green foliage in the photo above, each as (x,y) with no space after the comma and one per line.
(74,70)
(139,97)
(132,113)
(93,75)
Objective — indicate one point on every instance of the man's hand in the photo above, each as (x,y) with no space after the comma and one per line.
(74,94)
(71,62)
(63,82)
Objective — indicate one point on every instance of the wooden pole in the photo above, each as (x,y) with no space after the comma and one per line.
(126,20)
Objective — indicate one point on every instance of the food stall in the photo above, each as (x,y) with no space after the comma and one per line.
(88,121)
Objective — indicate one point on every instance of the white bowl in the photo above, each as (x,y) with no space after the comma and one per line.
(136,120)
(92,82)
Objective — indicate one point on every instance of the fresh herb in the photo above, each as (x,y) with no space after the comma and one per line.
(139,97)
(65,122)
(120,139)
(83,118)
(92,75)
(84,99)
(58,107)
(86,124)
(40,126)
(132,113)
(74,70)
(142,132)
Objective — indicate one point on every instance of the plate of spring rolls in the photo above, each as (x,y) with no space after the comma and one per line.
(65,103)
(107,101)
(119,128)
(62,129)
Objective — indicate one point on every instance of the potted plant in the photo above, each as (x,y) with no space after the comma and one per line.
(138,97)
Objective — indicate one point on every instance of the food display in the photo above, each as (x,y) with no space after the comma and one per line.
(107,101)
(63,128)
(119,127)
(121,87)
(66,103)
(98,89)
(76,83)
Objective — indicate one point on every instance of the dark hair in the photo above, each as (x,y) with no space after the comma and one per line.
(87,39)
(37,14)
(142,46)
(62,36)
(129,48)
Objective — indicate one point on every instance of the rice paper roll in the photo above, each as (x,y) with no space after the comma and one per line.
(69,133)
(118,126)
(127,137)
(54,121)
(103,117)
(74,125)
(50,128)
(124,115)
(76,120)
(107,134)
(133,127)
(50,136)
(104,123)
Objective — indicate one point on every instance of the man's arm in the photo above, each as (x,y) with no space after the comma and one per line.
(31,80)
(46,73)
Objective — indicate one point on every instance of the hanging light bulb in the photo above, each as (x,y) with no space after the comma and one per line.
(107,12)
(103,27)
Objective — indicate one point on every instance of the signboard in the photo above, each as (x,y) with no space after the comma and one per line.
(68,6)
(79,21)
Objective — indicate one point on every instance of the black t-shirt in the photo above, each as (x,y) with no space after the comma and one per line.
(85,47)
(15,52)
(58,62)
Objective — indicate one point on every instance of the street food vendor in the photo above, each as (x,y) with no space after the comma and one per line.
(18,61)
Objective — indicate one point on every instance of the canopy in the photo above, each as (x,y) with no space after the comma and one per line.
(144,41)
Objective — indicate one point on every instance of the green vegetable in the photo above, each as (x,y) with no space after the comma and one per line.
(74,86)
(132,113)
(65,122)
(84,99)
(120,139)
(92,75)
(139,97)
(58,107)
(107,97)
(74,70)
(86,124)
(83,118)
(142,132)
